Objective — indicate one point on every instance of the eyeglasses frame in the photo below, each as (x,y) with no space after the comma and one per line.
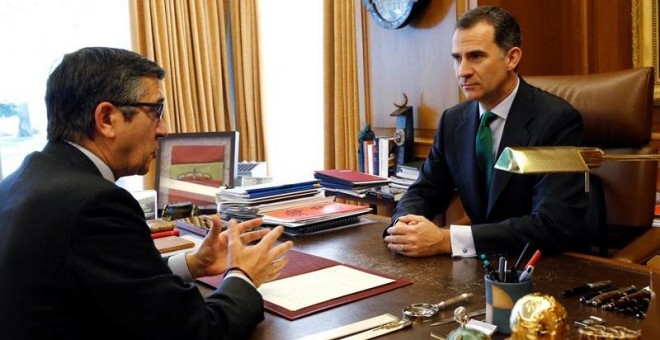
(157,111)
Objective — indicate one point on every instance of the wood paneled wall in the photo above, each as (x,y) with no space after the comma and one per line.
(559,37)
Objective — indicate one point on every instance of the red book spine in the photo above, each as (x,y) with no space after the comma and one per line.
(174,232)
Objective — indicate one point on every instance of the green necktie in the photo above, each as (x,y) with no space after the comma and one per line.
(484,147)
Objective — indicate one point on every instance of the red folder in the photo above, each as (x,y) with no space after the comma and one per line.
(300,263)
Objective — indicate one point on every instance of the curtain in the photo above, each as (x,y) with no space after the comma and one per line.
(246,73)
(189,38)
(341,106)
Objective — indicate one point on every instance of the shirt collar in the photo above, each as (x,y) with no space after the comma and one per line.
(501,110)
(103,168)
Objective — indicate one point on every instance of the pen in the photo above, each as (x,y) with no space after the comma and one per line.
(516,267)
(506,277)
(629,299)
(591,295)
(490,272)
(586,288)
(454,301)
(526,275)
(605,297)
(502,269)
(529,268)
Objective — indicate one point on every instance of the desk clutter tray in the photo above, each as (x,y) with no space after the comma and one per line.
(199,225)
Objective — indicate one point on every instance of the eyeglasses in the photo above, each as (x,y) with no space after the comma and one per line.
(156,108)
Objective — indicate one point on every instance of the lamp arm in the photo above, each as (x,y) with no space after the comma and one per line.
(632,158)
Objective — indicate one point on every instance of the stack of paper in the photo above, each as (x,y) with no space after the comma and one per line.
(253,201)
(318,217)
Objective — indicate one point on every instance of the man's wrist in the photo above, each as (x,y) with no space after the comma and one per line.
(237,269)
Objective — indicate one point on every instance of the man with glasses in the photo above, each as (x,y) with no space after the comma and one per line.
(76,257)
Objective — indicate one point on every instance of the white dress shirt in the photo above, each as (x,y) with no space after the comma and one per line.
(462,242)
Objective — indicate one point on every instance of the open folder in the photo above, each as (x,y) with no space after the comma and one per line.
(301,263)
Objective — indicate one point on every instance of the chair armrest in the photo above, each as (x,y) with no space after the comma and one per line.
(641,249)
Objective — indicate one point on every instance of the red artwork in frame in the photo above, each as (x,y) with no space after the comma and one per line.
(192,167)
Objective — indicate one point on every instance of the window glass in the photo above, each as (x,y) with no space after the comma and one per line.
(36,34)
(292,86)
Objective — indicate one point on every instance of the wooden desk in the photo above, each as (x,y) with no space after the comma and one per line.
(437,278)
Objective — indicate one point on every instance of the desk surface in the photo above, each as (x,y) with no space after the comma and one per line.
(437,278)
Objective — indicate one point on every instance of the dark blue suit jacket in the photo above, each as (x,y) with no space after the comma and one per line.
(546,210)
(77,262)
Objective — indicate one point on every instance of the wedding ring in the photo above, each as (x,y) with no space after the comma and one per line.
(401,247)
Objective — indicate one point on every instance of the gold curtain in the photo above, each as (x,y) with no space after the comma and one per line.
(189,39)
(341,106)
(246,73)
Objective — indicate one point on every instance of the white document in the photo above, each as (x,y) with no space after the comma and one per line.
(300,291)
(304,290)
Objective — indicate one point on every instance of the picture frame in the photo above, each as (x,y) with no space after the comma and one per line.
(646,39)
(191,167)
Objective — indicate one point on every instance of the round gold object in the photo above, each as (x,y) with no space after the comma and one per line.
(536,316)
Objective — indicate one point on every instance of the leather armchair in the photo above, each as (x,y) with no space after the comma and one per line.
(617,110)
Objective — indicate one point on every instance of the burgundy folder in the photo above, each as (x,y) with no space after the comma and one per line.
(300,263)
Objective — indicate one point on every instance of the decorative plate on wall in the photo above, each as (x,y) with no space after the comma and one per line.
(393,14)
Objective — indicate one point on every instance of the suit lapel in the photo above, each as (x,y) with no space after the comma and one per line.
(515,134)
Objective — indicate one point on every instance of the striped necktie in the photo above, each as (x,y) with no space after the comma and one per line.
(484,147)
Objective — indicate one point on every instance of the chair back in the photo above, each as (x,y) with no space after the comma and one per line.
(616,108)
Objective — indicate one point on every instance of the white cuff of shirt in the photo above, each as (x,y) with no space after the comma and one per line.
(239,274)
(178,265)
(462,243)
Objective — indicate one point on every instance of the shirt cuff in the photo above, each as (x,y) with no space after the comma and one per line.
(462,243)
(239,274)
(179,266)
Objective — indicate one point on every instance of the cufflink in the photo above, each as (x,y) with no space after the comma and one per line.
(465,250)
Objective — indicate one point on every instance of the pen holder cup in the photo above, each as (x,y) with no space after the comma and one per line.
(500,298)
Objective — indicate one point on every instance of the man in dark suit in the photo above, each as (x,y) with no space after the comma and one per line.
(76,257)
(506,210)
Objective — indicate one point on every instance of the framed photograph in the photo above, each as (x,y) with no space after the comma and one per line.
(191,167)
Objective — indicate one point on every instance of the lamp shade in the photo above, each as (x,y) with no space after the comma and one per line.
(559,159)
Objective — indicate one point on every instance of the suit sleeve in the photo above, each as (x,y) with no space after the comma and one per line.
(433,189)
(118,272)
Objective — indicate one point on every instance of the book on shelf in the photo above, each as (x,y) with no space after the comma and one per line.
(349,177)
(410,167)
(386,156)
(369,161)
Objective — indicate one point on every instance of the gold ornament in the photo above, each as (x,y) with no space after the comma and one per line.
(600,332)
(536,316)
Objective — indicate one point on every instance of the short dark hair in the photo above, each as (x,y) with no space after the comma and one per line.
(88,77)
(507,30)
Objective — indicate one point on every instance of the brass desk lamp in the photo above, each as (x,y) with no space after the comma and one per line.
(560,159)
